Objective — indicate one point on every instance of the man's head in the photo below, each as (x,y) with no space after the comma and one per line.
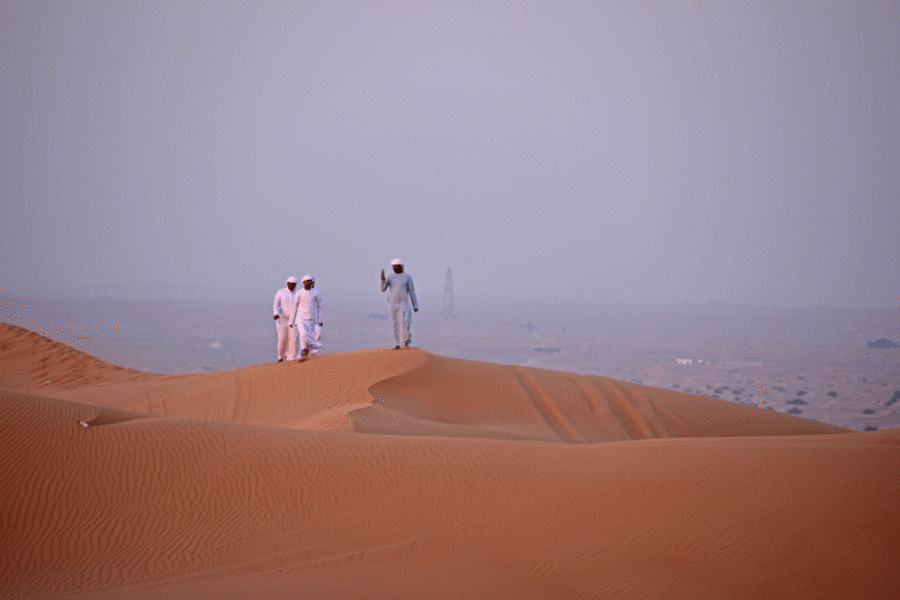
(397,265)
(291,283)
(307,282)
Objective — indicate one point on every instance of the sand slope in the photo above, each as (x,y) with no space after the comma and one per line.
(400,474)
(406,392)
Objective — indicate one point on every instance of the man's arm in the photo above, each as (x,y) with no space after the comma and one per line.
(319,307)
(295,307)
(275,310)
(385,283)
(412,295)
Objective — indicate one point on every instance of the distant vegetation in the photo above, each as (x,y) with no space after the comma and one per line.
(882,344)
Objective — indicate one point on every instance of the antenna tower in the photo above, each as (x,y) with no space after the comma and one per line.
(448,296)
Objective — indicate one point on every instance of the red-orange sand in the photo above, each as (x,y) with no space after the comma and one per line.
(401,474)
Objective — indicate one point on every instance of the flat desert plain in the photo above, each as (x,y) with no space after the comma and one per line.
(368,472)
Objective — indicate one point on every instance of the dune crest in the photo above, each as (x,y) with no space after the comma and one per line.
(405,392)
(33,363)
(460,398)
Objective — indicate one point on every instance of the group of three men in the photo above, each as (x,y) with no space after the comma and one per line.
(298,314)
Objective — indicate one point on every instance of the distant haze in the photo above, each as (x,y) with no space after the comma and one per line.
(634,152)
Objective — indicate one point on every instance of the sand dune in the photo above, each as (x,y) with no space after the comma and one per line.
(401,474)
(394,392)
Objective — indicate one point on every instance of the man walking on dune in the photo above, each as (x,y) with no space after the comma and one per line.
(283,310)
(402,292)
(307,314)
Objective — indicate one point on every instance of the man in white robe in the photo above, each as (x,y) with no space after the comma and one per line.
(283,309)
(307,314)
(402,292)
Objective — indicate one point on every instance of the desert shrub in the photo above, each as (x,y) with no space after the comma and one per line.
(833,394)
(882,343)
(871,428)
(868,411)
(801,393)
(797,401)
(778,388)
(894,399)
(795,411)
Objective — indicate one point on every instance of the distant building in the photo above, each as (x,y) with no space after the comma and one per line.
(684,361)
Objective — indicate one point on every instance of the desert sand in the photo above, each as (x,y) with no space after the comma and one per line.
(405,474)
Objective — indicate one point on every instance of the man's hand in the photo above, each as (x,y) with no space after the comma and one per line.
(382,274)
(276,317)
(415,310)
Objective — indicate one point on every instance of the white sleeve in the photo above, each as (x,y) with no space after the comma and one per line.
(296,305)
(412,294)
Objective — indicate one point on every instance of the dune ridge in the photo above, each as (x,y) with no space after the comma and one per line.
(408,392)
(401,474)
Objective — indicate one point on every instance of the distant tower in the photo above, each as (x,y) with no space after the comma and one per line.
(448,296)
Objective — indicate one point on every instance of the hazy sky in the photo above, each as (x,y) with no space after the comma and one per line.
(570,150)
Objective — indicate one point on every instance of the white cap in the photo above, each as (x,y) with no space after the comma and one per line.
(396,261)
(292,279)
(307,278)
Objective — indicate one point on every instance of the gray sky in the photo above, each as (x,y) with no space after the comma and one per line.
(613,151)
